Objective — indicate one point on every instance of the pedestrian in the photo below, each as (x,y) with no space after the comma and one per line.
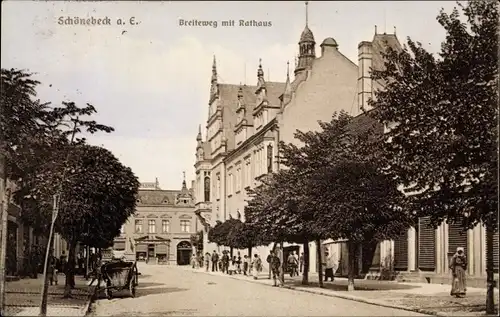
(276,268)
(215,260)
(330,266)
(245,264)
(63,261)
(207,261)
(52,270)
(256,266)
(225,262)
(301,262)
(268,260)
(193,261)
(232,266)
(292,262)
(238,263)
(458,265)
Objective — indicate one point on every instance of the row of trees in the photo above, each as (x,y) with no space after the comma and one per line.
(47,156)
(439,159)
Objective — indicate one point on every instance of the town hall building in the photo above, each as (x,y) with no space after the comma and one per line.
(246,123)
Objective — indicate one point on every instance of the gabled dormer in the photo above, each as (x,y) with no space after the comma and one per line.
(287,94)
(213,109)
(259,115)
(240,108)
(243,118)
(261,91)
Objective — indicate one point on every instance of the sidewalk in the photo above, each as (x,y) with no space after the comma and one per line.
(23,297)
(432,299)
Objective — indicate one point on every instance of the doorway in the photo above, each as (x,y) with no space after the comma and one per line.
(151,252)
(184,252)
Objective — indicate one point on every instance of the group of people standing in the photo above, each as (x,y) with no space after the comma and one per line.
(228,264)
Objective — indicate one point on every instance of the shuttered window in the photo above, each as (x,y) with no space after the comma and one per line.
(401,252)
(495,252)
(426,245)
(457,237)
(376,258)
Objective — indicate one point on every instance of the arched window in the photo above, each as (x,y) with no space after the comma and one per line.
(207,189)
(269,158)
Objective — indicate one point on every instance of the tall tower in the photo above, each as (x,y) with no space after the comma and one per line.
(307,49)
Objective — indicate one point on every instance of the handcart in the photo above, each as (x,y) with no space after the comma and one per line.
(118,276)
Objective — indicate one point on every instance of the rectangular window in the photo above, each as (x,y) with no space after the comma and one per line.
(138,226)
(238,179)
(165,226)
(185,226)
(152,226)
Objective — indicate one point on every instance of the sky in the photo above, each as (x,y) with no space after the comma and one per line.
(151,80)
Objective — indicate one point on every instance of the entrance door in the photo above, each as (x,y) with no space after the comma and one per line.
(184,252)
(151,252)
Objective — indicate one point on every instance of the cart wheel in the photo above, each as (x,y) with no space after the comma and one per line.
(132,289)
(108,293)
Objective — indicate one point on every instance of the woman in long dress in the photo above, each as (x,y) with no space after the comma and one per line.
(256,266)
(458,265)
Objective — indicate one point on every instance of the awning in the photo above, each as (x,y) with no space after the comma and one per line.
(141,248)
(161,249)
(119,245)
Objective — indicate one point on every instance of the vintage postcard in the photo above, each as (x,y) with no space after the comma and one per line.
(249,158)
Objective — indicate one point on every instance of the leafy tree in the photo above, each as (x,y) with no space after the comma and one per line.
(443,144)
(348,194)
(277,211)
(46,156)
(219,233)
(96,200)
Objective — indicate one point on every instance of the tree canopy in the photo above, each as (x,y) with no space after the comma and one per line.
(442,112)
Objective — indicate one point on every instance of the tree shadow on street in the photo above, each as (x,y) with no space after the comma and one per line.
(148,284)
(362,285)
(140,292)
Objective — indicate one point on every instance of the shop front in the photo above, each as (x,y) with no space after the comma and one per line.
(152,249)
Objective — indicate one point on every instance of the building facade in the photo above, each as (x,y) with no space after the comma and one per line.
(160,230)
(245,124)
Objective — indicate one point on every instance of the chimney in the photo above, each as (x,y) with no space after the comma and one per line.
(192,184)
(364,76)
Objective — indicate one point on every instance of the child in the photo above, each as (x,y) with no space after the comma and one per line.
(232,266)
(52,271)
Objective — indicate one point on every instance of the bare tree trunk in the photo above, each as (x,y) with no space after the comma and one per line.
(305,273)
(231,252)
(70,270)
(352,264)
(250,252)
(320,263)
(490,280)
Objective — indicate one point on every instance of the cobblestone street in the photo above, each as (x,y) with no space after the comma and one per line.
(172,291)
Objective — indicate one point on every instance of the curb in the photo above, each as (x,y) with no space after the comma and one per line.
(330,294)
(87,308)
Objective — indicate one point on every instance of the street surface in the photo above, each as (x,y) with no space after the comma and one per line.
(169,291)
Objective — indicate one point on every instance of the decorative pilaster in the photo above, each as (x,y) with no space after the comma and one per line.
(412,263)
(470,253)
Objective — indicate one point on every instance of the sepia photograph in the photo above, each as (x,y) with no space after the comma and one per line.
(249,158)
